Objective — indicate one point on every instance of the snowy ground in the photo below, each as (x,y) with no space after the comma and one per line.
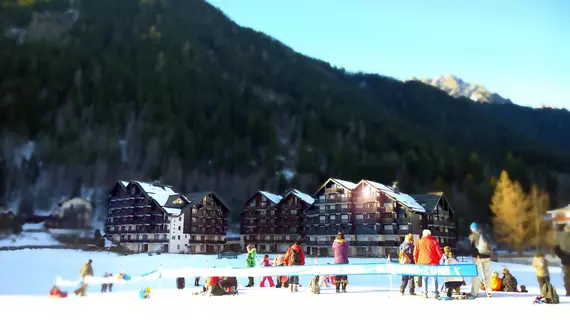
(27,275)
(33,234)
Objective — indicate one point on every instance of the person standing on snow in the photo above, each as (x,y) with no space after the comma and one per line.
(294,257)
(407,257)
(562,250)
(428,252)
(340,248)
(481,252)
(86,270)
(265,262)
(250,262)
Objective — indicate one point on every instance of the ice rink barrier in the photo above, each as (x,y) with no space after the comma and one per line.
(461,270)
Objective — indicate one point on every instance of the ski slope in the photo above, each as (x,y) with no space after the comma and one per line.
(26,277)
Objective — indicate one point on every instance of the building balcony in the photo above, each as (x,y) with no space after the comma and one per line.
(365,221)
(402,232)
(366,243)
(319,243)
(144,240)
(389,243)
(386,220)
(207,241)
(365,199)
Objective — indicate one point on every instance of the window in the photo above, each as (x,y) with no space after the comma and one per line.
(322,219)
(293,211)
(332,217)
(293,229)
(388,227)
(359,217)
(403,227)
(178,228)
(178,237)
(178,247)
(344,218)
(186,236)
(179,218)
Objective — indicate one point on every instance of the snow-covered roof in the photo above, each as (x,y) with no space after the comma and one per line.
(272,197)
(401,197)
(346,184)
(124,183)
(159,193)
(303,196)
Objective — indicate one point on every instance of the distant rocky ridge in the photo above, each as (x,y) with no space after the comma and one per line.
(456,87)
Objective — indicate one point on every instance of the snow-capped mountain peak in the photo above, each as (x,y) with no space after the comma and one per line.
(456,87)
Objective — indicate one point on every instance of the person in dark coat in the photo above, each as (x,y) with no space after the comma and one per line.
(407,255)
(340,248)
(562,250)
(509,282)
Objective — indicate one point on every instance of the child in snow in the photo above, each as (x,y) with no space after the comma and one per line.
(265,262)
(278,262)
(509,281)
(452,283)
(55,292)
(540,264)
(144,293)
(496,282)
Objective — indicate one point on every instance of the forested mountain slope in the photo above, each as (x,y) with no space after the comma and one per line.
(174,90)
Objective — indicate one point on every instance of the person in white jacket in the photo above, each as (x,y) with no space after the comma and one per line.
(452,283)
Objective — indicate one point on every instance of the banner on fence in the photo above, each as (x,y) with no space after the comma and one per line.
(461,270)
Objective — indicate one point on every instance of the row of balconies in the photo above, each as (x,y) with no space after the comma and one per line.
(151,240)
(142,220)
(156,229)
(132,211)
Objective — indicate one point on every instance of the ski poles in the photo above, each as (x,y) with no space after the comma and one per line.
(480,266)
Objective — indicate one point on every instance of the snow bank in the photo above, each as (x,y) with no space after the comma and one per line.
(34,226)
(29,239)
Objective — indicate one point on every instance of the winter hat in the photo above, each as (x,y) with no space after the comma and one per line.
(474,226)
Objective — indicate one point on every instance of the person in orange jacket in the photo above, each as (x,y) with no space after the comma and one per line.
(428,252)
(496,282)
(294,257)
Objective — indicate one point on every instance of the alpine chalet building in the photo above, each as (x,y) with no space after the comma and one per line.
(439,218)
(259,221)
(152,217)
(373,217)
(292,219)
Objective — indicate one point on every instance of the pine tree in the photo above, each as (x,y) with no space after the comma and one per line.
(509,204)
(539,229)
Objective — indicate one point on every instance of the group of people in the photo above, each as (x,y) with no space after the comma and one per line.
(427,251)
(295,256)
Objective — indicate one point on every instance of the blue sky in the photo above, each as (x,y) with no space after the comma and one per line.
(517,48)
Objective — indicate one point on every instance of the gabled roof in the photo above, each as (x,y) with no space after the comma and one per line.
(124,184)
(275,198)
(428,200)
(195,197)
(158,192)
(303,196)
(401,197)
(343,183)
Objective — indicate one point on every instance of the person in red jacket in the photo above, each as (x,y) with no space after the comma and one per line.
(428,252)
(266,263)
(55,292)
(294,257)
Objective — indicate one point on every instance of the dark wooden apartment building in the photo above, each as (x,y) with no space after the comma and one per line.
(152,217)
(272,222)
(439,217)
(374,218)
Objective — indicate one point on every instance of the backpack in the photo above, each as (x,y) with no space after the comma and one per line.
(482,245)
(549,293)
(294,258)
(314,285)
(404,258)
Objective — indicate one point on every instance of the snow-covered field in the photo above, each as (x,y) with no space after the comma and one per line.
(33,234)
(26,277)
